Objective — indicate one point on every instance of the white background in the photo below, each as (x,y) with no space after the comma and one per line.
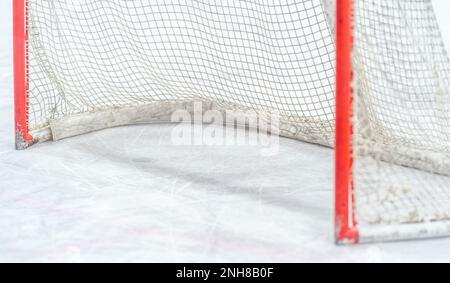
(126,194)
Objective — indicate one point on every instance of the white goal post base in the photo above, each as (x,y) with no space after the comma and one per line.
(162,112)
(411,231)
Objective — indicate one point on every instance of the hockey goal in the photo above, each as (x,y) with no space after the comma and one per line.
(86,65)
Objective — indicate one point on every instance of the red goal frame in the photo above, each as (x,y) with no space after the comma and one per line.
(345,223)
(21,82)
(346,230)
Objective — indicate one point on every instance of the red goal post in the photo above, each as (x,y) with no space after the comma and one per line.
(345,222)
(21,84)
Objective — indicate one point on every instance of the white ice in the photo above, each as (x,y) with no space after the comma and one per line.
(127,194)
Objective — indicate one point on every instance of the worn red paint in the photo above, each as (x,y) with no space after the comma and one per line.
(346,226)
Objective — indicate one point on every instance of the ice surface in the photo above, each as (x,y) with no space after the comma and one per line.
(128,194)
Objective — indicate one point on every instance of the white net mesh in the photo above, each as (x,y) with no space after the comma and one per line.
(92,55)
(402,140)
(88,56)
